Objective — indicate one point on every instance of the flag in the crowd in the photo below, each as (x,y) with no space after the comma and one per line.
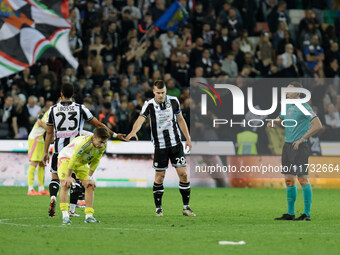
(173,17)
(28,28)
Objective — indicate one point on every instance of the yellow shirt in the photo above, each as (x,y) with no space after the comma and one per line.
(81,151)
(38,130)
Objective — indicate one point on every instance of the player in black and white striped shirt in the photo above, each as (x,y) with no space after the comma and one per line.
(166,121)
(65,121)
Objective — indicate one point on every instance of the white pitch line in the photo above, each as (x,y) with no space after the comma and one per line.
(111,228)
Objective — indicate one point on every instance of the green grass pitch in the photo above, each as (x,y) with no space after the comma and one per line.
(128,224)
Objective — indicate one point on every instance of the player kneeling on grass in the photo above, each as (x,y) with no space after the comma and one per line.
(82,157)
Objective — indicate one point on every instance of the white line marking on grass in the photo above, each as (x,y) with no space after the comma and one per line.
(107,228)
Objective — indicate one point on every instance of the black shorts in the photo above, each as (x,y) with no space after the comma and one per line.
(54,164)
(295,162)
(174,153)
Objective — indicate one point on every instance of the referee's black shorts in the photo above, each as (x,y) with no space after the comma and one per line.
(174,153)
(295,162)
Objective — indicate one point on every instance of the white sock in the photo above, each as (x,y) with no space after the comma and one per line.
(53,197)
(65,214)
(41,188)
(30,188)
(88,216)
(185,207)
(72,208)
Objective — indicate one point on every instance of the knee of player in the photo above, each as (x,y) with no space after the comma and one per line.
(290,182)
(63,185)
(160,178)
(303,181)
(183,176)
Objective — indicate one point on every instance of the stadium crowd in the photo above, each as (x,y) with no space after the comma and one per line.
(120,55)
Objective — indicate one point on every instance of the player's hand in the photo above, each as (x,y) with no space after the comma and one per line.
(296,144)
(271,124)
(68,181)
(127,139)
(121,137)
(46,159)
(188,145)
(91,184)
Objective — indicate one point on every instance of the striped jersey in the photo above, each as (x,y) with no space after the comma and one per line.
(163,121)
(38,130)
(81,151)
(67,118)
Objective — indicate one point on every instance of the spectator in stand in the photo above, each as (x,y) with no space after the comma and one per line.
(31,87)
(267,6)
(197,19)
(314,54)
(265,48)
(216,72)
(332,121)
(135,13)
(19,118)
(289,57)
(307,34)
(45,73)
(168,42)
(196,52)
(5,116)
(309,18)
(224,40)
(282,43)
(123,118)
(207,35)
(229,65)
(171,89)
(245,43)
(182,71)
(33,110)
(205,62)
(106,116)
(234,24)
(278,14)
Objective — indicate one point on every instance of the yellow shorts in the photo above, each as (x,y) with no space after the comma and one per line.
(81,171)
(36,149)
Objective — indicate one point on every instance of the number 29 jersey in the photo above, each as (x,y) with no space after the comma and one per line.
(67,119)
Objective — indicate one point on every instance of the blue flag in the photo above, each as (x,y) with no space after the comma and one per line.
(172,18)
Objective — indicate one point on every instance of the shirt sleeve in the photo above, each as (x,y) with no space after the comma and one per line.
(145,110)
(176,107)
(86,113)
(281,116)
(310,110)
(50,117)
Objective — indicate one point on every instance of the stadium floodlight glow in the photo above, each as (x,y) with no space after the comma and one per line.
(238,100)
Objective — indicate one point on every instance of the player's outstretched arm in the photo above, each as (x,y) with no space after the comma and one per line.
(316,126)
(136,127)
(96,123)
(48,141)
(184,128)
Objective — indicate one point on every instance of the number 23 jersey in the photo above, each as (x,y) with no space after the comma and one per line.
(67,119)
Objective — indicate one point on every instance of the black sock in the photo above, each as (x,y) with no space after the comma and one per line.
(82,192)
(54,187)
(184,188)
(74,193)
(158,190)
